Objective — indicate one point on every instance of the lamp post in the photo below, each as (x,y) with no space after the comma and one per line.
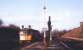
(44,12)
(44,36)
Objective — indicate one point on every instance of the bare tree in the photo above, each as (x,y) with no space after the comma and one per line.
(1,22)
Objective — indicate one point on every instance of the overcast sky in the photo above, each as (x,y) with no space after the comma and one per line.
(65,14)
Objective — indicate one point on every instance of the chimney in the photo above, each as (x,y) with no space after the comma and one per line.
(29,26)
(22,26)
(81,27)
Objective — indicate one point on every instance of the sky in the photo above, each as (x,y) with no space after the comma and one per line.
(65,14)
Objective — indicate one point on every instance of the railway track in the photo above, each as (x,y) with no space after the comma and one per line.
(40,46)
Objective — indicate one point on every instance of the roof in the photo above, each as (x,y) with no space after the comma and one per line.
(74,34)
